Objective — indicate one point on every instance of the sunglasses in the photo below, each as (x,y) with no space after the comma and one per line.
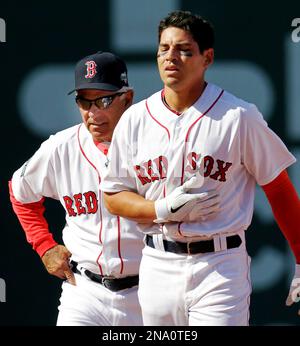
(102,102)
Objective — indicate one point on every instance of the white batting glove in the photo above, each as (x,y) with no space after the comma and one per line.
(205,208)
(179,204)
(294,293)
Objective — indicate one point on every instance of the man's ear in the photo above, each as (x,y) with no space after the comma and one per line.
(209,56)
(128,98)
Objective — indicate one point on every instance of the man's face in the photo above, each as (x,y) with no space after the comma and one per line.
(101,122)
(180,63)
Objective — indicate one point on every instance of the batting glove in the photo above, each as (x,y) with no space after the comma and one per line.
(294,294)
(205,208)
(179,205)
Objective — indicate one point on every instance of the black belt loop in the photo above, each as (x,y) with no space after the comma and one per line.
(203,246)
(112,284)
(73,266)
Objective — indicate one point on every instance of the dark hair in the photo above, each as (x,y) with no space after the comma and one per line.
(200,29)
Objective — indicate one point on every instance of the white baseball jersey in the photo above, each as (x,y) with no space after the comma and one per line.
(225,138)
(68,167)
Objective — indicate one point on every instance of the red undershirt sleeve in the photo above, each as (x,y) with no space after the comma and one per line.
(33,222)
(285,204)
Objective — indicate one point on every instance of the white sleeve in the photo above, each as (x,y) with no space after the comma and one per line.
(263,153)
(120,175)
(36,178)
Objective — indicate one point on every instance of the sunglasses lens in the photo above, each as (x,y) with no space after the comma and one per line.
(84,104)
(103,102)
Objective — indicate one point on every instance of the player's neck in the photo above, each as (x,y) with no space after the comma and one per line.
(181,100)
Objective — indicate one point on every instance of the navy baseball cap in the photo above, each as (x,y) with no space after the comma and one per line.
(103,71)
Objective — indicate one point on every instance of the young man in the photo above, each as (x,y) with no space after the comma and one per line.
(101,252)
(196,271)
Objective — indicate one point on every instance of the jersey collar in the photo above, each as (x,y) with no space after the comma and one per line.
(102,146)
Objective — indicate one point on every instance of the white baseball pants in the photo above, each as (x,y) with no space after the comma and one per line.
(210,289)
(91,304)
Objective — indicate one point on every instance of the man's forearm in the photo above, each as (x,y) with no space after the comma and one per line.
(131,206)
(285,204)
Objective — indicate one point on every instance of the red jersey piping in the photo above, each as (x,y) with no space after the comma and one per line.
(187,137)
(160,124)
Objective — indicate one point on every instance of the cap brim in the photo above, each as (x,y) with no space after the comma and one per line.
(96,86)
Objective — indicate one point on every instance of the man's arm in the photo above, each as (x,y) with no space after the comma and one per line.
(54,257)
(179,205)
(33,222)
(131,206)
(285,205)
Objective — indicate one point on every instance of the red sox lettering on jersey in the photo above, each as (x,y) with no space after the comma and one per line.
(157,169)
(75,204)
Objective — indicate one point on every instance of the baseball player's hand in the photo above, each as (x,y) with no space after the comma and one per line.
(56,261)
(181,205)
(205,208)
(294,294)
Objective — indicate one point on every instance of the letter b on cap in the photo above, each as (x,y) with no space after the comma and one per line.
(2,30)
(2,291)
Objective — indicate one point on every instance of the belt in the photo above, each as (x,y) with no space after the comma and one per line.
(110,283)
(202,246)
